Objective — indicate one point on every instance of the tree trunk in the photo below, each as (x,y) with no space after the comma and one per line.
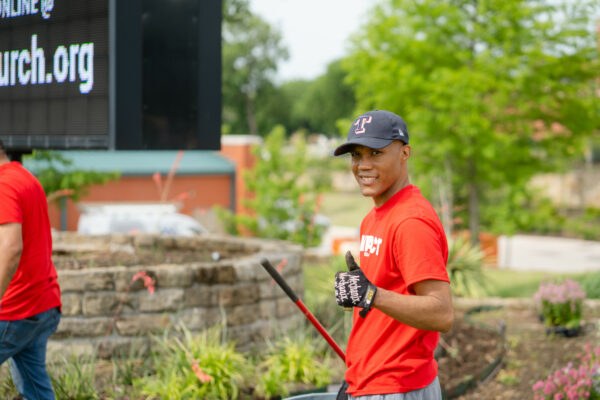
(250,117)
(473,205)
(446,199)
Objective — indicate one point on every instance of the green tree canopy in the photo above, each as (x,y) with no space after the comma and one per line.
(284,201)
(323,101)
(251,51)
(493,91)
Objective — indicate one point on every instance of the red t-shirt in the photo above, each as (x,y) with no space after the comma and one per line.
(402,243)
(34,288)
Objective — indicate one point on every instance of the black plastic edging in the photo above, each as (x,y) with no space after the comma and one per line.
(493,367)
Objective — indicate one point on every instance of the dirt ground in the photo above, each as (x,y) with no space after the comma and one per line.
(530,354)
(467,354)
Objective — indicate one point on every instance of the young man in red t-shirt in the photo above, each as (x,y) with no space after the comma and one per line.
(29,292)
(401,289)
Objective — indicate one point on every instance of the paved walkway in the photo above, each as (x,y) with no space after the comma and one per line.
(550,254)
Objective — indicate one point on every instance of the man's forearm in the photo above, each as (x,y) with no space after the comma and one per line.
(428,312)
(11,246)
(9,262)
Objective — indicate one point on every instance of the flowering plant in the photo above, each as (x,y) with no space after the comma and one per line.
(561,303)
(570,383)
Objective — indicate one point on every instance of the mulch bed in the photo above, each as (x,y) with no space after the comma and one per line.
(531,355)
(467,354)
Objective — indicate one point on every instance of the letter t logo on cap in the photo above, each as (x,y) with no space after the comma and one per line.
(360,124)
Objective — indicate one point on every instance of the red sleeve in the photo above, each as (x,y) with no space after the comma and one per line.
(10,207)
(419,252)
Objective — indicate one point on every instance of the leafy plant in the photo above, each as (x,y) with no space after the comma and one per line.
(465,268)
(319,294)
(522,210)
(508,378)
(74,378)
(127,368)
(291,361)
(591,284)
(55,173)
(561,303)
(586,225)
(197,366)
(284,206)
(7,387)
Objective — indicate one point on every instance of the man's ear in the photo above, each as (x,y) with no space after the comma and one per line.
(406,151)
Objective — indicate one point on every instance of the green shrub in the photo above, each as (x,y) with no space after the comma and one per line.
(584,225)
(56,173)
(521,210)
(285,202)
(126,369)
(591,284)
(524,210)
(465,268)
(74,378)
(291,361)
(174,376)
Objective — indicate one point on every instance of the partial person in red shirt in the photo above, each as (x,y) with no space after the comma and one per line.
(400,291)
(29,292)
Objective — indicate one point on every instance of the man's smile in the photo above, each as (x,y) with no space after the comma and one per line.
(366,179)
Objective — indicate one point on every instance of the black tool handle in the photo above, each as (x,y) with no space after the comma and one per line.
(278,278)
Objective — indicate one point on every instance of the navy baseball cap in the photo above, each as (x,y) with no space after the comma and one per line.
(375,129)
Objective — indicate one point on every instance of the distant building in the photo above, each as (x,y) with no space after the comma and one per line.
(202,180)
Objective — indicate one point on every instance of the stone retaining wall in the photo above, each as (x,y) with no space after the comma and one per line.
(234,290)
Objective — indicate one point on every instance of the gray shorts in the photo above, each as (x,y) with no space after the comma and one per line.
(433,391)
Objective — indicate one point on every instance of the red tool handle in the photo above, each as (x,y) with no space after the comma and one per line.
(288,290)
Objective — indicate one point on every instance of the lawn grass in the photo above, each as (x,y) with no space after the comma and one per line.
(345,208)
(510,283)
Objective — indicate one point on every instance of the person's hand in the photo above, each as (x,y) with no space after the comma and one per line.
(353,289)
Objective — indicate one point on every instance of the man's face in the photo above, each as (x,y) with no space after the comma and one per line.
(380,173)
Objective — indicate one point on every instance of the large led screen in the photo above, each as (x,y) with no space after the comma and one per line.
(54,73)
(181,61)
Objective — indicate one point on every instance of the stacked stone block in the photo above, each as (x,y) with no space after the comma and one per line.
(103,310)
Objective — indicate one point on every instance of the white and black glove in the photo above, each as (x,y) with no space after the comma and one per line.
(353,289)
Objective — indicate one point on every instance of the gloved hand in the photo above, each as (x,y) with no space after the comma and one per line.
(353,289)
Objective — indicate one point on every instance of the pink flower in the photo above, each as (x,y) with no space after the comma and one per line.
(201,375)
(148,281)
(549,387)
(567,383)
